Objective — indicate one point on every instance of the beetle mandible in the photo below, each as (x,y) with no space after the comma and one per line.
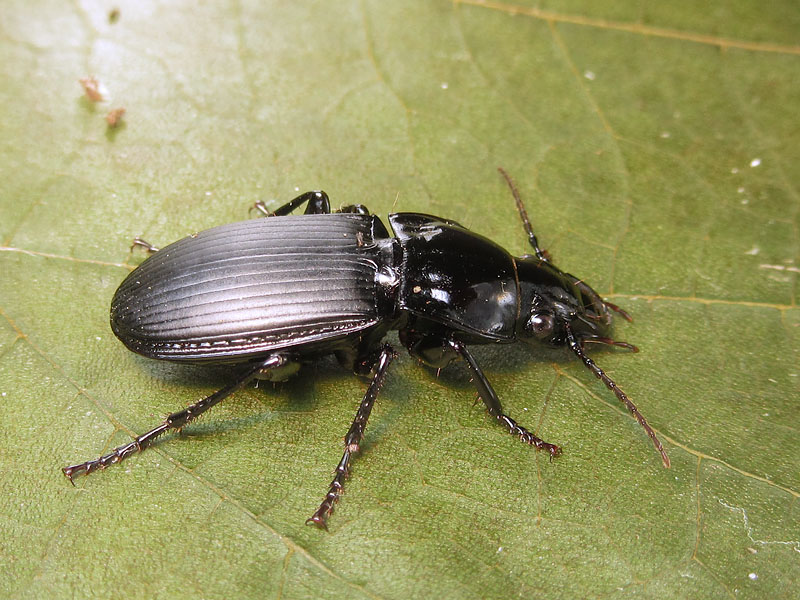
(275,292)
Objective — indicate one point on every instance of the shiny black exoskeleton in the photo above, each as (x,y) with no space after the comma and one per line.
(273,293)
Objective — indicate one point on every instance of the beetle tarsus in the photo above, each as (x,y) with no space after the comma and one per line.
(174,421)
(140,243)
(116,455)
(353,438)
(526,437)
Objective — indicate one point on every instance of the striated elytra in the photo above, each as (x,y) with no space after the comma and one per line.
(272,293)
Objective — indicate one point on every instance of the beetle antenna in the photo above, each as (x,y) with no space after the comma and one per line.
(577,348)
(526,223)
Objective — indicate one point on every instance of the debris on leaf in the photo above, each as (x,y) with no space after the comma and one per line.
(93,89)
(114,117)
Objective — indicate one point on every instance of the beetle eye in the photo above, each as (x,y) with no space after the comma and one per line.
(541,325)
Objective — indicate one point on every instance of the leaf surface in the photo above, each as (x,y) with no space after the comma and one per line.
(657,148)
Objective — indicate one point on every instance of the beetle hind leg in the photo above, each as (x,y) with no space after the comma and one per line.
(358,209)
(174,421)
(489,397)
(317,202)
(140,243)
(352,441)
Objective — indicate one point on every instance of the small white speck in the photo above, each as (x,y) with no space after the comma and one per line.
(208,193)
(3,394)
(499,550)
(525,409)
(665,134)
(735,170)
(753,251)
(740,190)
(589,75)
(296,189)
(755,162)
(444,85)
(753,576)
(88,413)
(765,415)
(98,338)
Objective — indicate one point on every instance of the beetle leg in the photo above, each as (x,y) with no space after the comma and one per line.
(542,255)
(318,204)
(576,346)
(353,438)
(358,209)
(137,241)
(489,397)
(174,421)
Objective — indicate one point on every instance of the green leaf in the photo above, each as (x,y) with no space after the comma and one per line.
(657,148)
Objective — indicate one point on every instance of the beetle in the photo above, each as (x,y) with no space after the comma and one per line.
(275,292)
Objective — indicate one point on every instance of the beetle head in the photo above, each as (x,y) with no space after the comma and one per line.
(559,309)
(552,302)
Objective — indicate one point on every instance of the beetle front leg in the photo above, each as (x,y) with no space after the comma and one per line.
(352,440)
(489,397)
(174,421)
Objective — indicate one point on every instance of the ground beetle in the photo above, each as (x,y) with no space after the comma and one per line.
(275,292)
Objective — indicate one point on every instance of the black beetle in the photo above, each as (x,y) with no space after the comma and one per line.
(275,292)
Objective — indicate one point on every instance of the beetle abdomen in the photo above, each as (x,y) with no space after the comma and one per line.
(250,287)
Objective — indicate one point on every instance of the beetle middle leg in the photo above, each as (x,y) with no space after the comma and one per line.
(352,440)
(489,397)
(174,421)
